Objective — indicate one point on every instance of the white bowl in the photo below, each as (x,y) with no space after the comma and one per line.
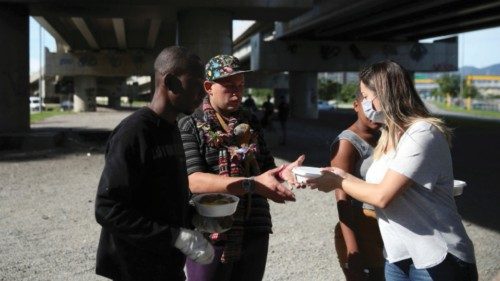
(303,173)
(458,187)
(216,210)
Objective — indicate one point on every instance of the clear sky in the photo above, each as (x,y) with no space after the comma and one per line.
(479,48)
(239,26)
(47,41)
(476,48)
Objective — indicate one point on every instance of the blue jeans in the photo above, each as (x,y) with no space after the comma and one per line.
(452,268)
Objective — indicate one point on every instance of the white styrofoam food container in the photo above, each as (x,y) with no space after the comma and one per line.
(458,187)
(303,173)
(214,211)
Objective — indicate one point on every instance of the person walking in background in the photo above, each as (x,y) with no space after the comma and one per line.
(268,108)
(358,242)
(283,114)
(226,153)
(130,100)
(143,197)
(410,182)
(249,104)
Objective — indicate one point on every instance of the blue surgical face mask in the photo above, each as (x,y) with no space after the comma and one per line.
(371,113)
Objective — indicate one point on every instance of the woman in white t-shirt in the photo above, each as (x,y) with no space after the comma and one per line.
(410,182)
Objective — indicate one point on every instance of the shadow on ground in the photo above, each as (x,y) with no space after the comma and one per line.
(476,160)
(43,143)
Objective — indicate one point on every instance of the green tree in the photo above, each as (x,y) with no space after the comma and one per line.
(348,92)
(436,93)
(327,89)
(259,94)
(469,91)
(449,84)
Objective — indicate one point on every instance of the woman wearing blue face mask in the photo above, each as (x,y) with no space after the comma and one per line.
(410,182)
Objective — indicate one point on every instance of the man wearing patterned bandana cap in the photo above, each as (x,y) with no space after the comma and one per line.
(222,66)
(217,161)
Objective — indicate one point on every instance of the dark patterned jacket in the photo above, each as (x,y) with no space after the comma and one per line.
(202,158)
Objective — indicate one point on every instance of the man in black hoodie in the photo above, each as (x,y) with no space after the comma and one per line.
(142,198)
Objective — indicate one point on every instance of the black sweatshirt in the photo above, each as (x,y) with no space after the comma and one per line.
(142,200)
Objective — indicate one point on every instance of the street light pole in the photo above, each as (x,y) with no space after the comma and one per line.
(461,40)
(41,84)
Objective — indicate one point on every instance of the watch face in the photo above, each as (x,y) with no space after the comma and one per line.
(248,185)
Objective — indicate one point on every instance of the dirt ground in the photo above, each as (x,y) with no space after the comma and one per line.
(48,230)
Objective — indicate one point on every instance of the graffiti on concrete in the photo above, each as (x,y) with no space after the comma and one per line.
(389,50)
(444,67)
(356,52)
(329,51)
(99,63)
(87,60)
(114,60)
(138,60)
(417,51)
(66,61)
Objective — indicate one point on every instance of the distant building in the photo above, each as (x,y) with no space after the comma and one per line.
(487,85)
(339,77)
(425,85)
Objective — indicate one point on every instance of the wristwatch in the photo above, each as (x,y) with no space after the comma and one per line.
(248,185)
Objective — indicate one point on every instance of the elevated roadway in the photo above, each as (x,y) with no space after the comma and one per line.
(120,38)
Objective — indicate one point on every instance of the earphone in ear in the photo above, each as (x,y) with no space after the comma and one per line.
(165,81)
(173,83)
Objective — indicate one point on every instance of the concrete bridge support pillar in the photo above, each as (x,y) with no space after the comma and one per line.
(116,89)
(14,69)
(304,94)
(50,89)
(85,93)
(205,32)
(114,100)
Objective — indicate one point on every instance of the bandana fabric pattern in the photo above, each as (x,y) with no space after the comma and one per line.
(222,66)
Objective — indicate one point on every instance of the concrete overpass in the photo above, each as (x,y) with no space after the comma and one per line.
(120,38)
(345,35)
(114,38)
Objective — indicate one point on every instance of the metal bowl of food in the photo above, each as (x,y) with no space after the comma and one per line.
(215,204)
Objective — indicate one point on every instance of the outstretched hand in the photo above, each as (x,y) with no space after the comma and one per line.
(330,179)
(287,173)
(268,186)
(338,172)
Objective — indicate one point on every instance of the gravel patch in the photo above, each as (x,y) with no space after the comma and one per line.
(47,226)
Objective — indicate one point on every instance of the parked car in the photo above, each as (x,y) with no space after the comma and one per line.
(66,105)
(325,106)
(36,104)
